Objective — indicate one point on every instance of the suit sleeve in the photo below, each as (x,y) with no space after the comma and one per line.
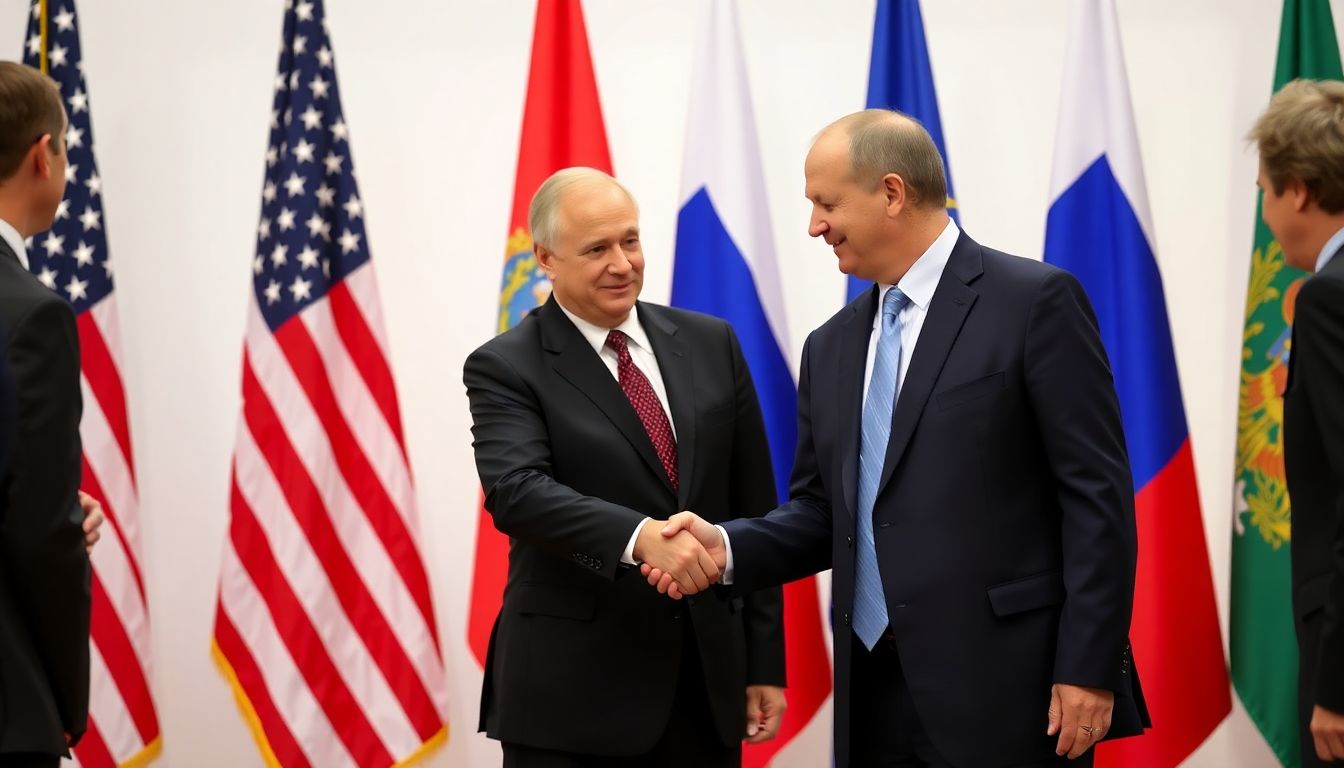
(1319,352)
(754,494)
(1077,412)
(794,540)
(42,536)
(513,458)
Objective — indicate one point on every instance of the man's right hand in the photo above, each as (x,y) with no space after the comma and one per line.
(682,560)
(706,533)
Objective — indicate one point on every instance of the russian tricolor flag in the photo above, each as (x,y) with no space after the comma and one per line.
(1100,229)
(726,266)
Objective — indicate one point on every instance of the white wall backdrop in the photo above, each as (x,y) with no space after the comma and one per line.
(433,92)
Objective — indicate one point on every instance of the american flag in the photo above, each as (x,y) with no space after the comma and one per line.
(324,626)
(71,259)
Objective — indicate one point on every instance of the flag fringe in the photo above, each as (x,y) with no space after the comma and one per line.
(244,705)
(145,756)
(428,747)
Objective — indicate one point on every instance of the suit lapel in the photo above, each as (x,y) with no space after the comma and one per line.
(577,363)
(855,335)
(951,302)
(679,378)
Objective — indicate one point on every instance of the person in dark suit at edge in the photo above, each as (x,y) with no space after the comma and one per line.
(44,566)
(1301,142)
(595,415)
(962,467)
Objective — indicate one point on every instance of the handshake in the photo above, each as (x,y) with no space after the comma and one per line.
(683,556)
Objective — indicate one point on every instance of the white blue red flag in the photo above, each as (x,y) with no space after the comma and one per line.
(726,266)
(1100,229)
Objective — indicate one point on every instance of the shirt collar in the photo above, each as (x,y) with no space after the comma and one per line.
(921,280)
(15,240)
(1332,247)
(596,335)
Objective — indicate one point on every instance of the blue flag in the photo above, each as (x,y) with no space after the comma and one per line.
(900,78)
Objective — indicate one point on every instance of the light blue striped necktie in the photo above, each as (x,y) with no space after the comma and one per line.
(870,606)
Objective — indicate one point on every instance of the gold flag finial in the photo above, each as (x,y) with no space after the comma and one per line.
(42,30)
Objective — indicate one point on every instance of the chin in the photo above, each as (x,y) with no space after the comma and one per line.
(1304,262)
(619,310)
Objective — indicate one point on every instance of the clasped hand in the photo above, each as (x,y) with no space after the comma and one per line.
(692,555)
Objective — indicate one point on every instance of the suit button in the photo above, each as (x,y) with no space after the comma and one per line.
(849,541)
(846,618)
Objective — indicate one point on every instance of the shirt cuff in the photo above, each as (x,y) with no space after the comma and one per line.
(726,578)
(628,556)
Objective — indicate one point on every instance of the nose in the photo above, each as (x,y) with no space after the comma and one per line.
(817,226)
(620,261)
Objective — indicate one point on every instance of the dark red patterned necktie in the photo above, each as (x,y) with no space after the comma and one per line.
(645,401)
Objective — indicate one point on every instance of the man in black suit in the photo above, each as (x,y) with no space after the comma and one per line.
(44,569)
(593,416)
(961,467)
(1301,143)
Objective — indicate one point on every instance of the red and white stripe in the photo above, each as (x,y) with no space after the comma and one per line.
(123,726)
(324,622)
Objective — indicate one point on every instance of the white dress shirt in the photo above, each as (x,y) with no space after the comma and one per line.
(15,240)
(919,284)
(641,354)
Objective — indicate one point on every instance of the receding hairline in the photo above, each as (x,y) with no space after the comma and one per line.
(547,204)
(856,121)
(850,125)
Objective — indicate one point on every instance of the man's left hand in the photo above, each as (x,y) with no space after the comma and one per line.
(765,709)
(1081,716)
(93,520)
(1327,730)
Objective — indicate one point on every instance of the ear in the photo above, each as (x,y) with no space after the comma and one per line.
(545,259)
(893,186)
(1296,190)
(39,156)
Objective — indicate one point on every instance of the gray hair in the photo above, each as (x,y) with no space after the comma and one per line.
(541,214)
(883,141)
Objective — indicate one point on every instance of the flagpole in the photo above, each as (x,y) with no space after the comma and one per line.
(42,24)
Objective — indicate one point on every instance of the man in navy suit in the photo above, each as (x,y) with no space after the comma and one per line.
(961,467)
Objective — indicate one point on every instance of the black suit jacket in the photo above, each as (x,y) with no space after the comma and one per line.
(584,656)
(1313,443)
(44,571)
(1004,522)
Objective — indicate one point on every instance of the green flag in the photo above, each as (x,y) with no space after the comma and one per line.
(1264,648)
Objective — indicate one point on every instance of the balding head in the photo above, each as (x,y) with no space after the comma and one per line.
(883,141)
(878,193)
(543,215)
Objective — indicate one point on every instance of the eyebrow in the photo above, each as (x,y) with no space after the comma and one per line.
(591,244)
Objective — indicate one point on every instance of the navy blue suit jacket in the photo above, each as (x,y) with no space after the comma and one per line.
(1004,522)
